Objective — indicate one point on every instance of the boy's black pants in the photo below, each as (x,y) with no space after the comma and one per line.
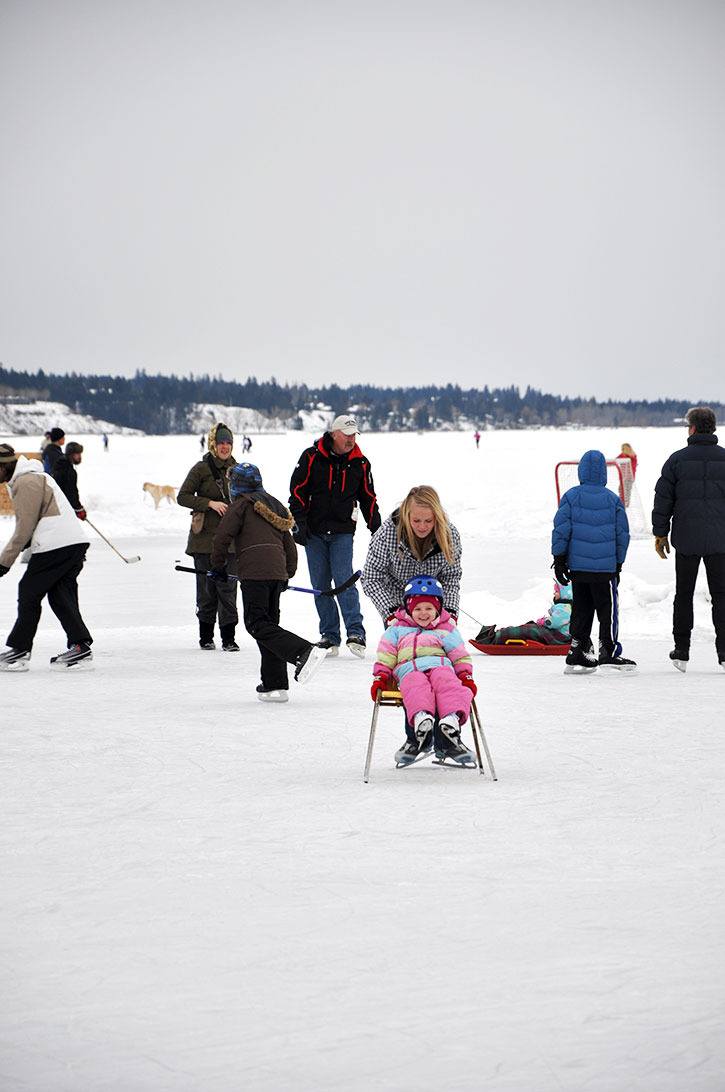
(55,574)
(686,566)
(278,647)
(600,597)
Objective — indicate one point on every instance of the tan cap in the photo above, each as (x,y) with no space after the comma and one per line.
(7,454)
(345,422)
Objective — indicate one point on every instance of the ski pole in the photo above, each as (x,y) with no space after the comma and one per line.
(128,560)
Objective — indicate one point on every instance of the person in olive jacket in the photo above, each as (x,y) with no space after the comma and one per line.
(691,494)
(330,481)
(206,491)
(257,527)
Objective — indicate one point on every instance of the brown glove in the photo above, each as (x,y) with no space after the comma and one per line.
(662,546)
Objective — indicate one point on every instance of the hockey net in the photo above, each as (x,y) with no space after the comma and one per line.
(620,480)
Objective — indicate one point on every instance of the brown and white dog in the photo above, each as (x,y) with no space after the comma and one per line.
(158,492)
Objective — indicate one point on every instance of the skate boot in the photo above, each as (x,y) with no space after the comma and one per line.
(451,746)
(408,753)
(680,658)
(77,657)
(309,662)
(14,659)
(423,727)
(580,660)
(272,695)
(332,648)
(356,644)
(615,662)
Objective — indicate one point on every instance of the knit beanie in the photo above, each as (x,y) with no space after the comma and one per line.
(244,478)
(223,435)
(73,448)
(416,600)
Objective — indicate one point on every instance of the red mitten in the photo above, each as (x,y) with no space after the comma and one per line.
(81,513)
(380,683)
(468,682)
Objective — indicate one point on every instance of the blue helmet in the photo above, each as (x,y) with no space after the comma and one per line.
(423,585)
(244,478)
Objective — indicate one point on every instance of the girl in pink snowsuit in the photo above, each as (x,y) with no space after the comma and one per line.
(423,654)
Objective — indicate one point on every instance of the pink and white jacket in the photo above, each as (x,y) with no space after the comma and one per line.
(405,646)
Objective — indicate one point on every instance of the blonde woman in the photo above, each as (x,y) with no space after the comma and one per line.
(416,540)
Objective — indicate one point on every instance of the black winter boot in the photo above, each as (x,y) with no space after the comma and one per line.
(206,636)
(227,636)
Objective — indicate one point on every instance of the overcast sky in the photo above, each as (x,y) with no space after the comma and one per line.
(471,192)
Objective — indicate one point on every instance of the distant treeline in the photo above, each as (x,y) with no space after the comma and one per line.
(161,404)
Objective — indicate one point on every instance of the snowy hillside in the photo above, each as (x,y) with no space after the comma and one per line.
(37,418)
(240,419)
(201,895)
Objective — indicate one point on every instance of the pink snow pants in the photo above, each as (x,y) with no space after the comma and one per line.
(435,691)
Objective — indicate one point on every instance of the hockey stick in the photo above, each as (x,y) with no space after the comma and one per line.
(293,587)
(128,560)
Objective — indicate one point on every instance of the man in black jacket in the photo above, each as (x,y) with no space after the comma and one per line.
(65,474)
(691,493)
(330,481)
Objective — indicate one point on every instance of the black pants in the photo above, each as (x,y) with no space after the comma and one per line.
(278,647)
(55,574)
(215,596)
(600,597)
(686,567)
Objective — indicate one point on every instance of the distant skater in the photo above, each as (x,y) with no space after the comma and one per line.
(477,438)
(105,441)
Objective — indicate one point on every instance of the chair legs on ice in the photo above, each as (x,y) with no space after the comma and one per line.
(394,699)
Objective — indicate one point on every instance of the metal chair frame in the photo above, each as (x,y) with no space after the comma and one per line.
(394,699)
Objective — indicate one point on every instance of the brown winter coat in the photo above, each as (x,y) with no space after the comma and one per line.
(199,487)
(257,527)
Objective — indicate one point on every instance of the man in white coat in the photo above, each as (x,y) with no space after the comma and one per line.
(55,541)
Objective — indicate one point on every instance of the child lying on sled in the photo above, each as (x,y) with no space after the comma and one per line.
(552,629)
(422,654)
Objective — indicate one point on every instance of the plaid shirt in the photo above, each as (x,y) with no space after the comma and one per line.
(390,565)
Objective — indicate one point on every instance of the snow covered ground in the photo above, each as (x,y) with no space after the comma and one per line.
(200,893)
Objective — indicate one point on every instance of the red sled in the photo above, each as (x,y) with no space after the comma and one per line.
(517,647)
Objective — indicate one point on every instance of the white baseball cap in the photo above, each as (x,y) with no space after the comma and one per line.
(345,422)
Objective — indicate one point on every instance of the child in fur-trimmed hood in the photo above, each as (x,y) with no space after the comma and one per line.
(257,528)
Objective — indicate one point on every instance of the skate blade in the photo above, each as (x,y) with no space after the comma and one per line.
(21,665)
(415,761)
(82,665)
(681,665)
(451,763)
(612,669)
(576,669)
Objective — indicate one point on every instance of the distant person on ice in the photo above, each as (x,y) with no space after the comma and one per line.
(477,438)
(690,496)
(589,544)
(105,441)
(67,478)
(422,654)
(53,450)
(628,464)
(206,491)
(56,543)
(551,629)
(257,528)
(330,482)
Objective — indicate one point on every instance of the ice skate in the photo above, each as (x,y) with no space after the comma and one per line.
(422,726)
(309,663)
(272,695)
(617,663)
(451,746)
(230,646)
(13,659)
(207,646)
(680,658)
(78,657)
(580,661)
(332,648)
(408,753)
(356,645)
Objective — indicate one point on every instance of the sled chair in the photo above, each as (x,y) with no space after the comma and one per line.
(395,699)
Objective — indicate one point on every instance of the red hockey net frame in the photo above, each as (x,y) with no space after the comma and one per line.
(610,463)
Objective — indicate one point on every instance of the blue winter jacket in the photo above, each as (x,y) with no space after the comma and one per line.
(590,526)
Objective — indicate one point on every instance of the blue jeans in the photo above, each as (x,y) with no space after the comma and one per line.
(329,558)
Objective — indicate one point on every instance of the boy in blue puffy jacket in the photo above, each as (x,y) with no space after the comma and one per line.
(589,544)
